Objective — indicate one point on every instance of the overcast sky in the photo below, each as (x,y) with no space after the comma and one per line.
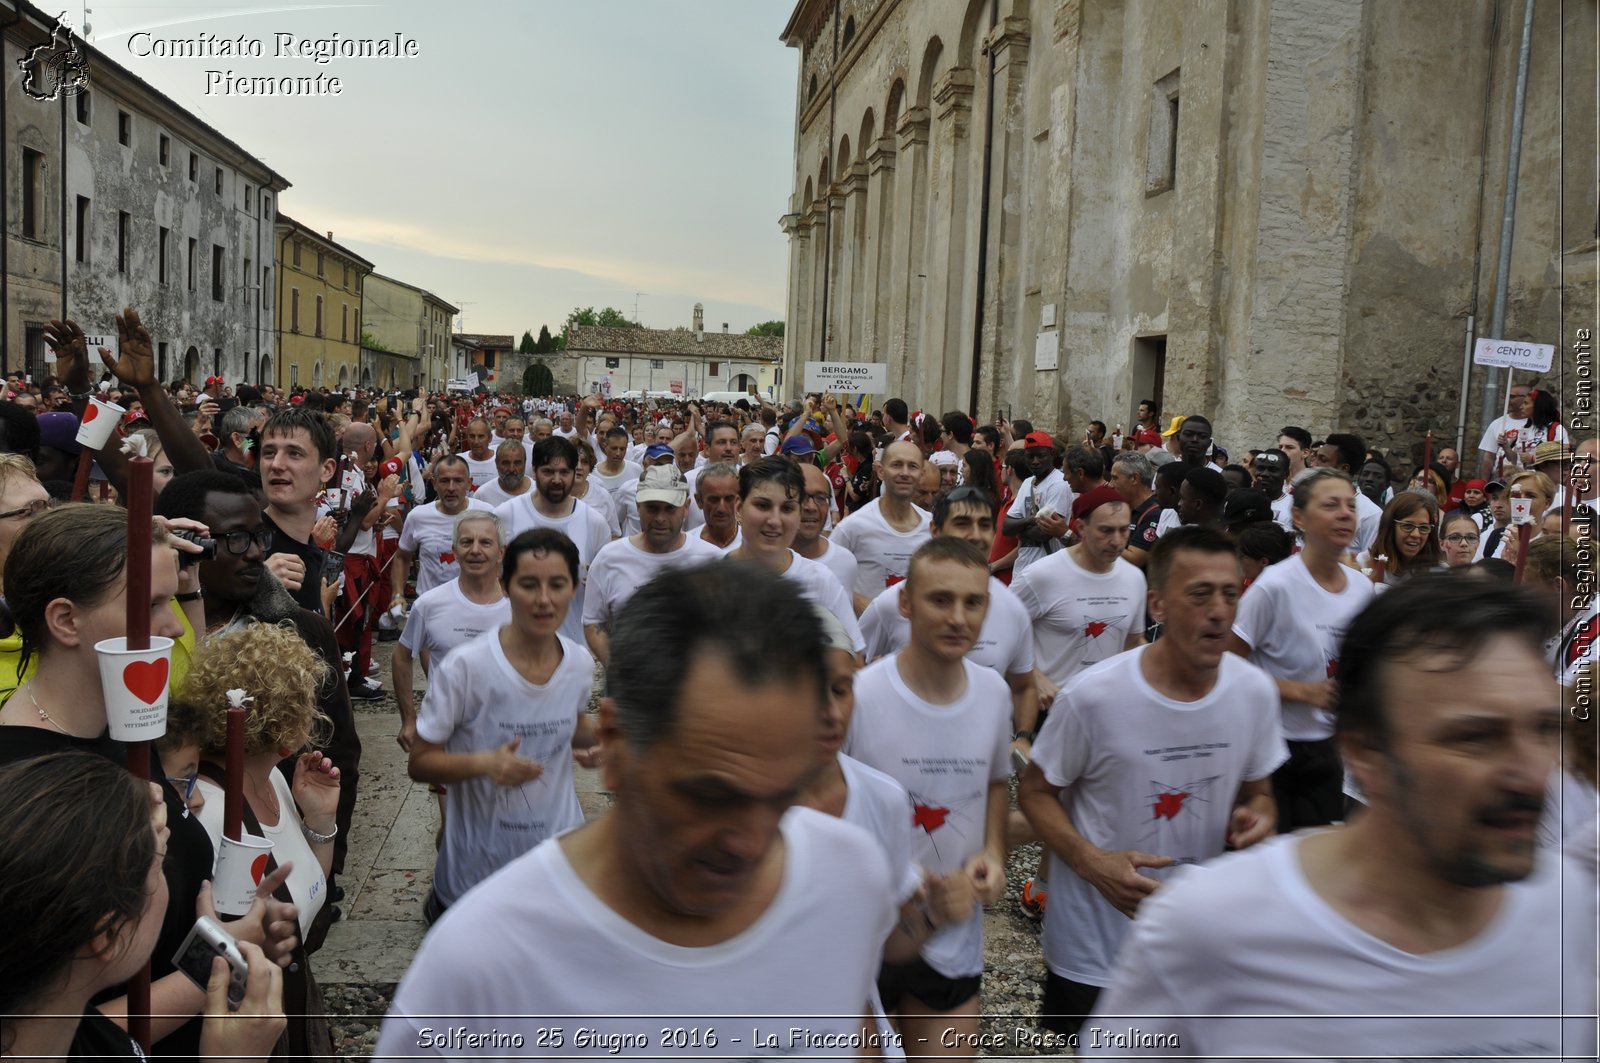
(536,155)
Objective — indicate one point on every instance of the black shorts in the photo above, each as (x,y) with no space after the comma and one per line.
(1066,1003)
(432,908)
(896,981)
(1309,786)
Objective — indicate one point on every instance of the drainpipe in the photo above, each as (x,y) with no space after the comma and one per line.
(5,197)
(62,180)
(983,224)
(827,211)
(1508,216)
(1477,240)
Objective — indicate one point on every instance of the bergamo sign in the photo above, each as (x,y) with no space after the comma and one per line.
(870,378)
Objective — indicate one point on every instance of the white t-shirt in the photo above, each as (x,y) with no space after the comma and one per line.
(483,472)
(365,544)
(444,618)
(1167,521)
(535,939)
(1368,516)
(289,845)
(880,806)
(430,535)
(1528,437)
(478,701)
(1243,958)
(493,495)
(621,568)
(1294,628)
(584,526)
(1282,507)
(841,562)
(883,555)
(1005,642)
(601,499)
(819,585)
(1142,771)
(631,471)
(1080,618)
(945,756)
(1053,492)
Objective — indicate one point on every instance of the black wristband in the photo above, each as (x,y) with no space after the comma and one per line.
(1022,734)
(190,596)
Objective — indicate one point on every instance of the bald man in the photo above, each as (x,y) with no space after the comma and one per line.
(884,533)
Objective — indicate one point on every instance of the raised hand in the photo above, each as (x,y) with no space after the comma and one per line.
(135,364)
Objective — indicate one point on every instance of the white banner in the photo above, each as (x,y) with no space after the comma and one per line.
(94,343)
(854,378)
(1512,354)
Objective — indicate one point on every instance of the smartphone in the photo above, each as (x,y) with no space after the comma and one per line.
(206,940)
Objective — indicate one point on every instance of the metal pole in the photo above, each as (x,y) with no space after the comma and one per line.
(1466,383)
(1508,216)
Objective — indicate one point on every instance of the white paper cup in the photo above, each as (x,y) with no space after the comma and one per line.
(239,869)
(100,419)
(135,685)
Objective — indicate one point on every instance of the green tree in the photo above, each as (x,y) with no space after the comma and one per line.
(766,328)
(538,380)
(371,342)
(527,345)
(545,345)
(611,317)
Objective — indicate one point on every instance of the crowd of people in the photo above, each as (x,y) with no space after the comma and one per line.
(1295,736)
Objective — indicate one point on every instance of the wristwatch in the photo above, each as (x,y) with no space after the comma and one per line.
(1022,734)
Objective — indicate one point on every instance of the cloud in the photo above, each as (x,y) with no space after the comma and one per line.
(626,275)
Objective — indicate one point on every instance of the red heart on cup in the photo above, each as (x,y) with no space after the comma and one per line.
(91,413)
(146,680)
(258,868)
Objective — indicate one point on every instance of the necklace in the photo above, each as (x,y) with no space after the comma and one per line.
(269,800)
(45,716)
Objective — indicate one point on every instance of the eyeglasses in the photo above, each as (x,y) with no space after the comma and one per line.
(31,510)
(184,784)
(967,493)
(818,498)
(239,542)
(1460,538)
(1411,528)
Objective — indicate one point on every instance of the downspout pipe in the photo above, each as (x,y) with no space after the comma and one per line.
(827,214)
(983,224)
(1508,216)
(5,197)
(1477,238)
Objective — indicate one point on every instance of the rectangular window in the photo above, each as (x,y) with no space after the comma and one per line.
(81,231)
(194,167)
(217,276)
(296,254)
(266,287)
(193,266)
(294,309)
(161,361)
(294,374)
(714,367)
(124,220)
(219,180)
(249,200)
(1149,368)
(165,149)
(216,361)
(320,273)
(344,322)
(81,102)
(124,128)
(163,241)
(32,193)
(319,315)
(1161,153)
(346,283)
(246,273)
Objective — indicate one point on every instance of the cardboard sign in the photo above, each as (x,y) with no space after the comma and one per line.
(849,377)
(94,343)
(1511,354)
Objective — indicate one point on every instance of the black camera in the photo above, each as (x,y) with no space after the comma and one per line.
(207,545)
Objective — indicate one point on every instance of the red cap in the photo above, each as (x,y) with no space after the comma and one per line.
(1090,501)
(214,380)
(297,399)
(1477,485)
(1038,439)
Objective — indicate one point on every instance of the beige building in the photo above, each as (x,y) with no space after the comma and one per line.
(319,308)
(412,328)
(1268,210)
(688,362)
(114,196)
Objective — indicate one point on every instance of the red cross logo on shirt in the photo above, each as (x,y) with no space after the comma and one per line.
(929,817)
(1168,805)
(447,557)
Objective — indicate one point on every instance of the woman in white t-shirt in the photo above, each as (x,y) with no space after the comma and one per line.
(1290,624)
(505,717)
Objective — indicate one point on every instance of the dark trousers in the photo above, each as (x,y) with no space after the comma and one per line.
(359,612)
(1309,787)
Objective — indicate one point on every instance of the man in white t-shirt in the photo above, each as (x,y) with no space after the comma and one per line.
(1492,446)
(1038,515)
(1087,603)
(615,471)
(477,455)
(566,425)
(939,725)
(624,565)
(1005,641)
(511,462)
(716,491)
(453,612)
(1432,925)
(1269,474)
(551,505)
(883,534)
(701,891)
(1148,760)
(809,540)
(430,529)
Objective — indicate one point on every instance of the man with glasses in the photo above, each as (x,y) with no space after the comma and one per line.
(1492,445)
(809,542)
(237,590)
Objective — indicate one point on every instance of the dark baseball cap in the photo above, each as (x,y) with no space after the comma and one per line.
(1246,507)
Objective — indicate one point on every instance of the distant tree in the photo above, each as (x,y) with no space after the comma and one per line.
(766,328)
(546,345)
(538,380)
(582,317)
(611,317)
(527,344)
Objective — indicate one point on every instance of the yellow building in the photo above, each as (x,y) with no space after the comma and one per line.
(318,293)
